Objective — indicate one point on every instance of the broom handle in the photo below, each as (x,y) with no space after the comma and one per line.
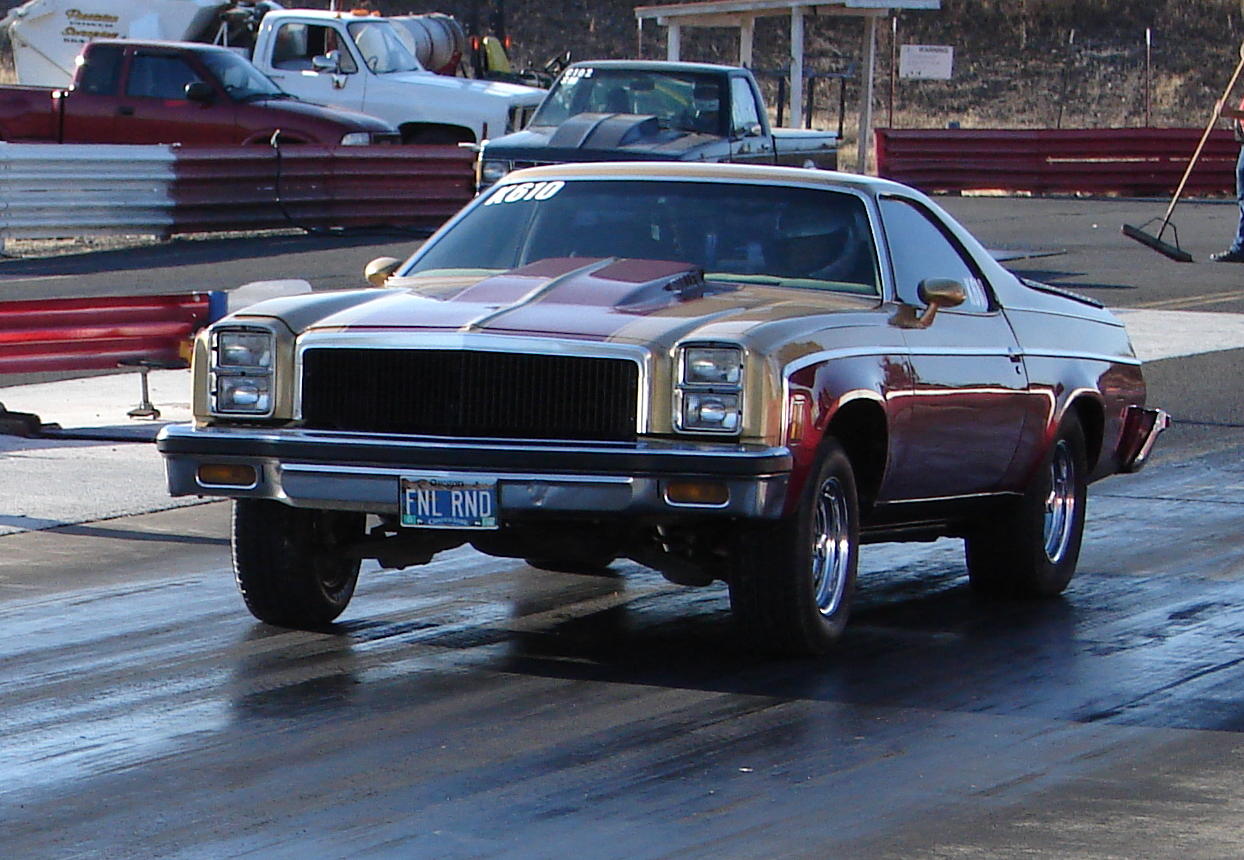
(1204,137)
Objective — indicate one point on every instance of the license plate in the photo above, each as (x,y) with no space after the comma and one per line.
(444,503)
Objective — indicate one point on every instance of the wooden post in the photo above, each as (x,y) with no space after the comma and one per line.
(866,97)
(796,66)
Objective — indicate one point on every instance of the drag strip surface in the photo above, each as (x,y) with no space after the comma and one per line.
(478,707)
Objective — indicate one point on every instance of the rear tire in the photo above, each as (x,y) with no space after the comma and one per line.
(287,561)
(1030,549)
(793,581)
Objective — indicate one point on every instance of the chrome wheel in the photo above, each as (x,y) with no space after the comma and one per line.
(1060,503)
(831,547)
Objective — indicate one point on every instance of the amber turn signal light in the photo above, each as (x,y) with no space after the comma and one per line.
(228,475)
(697,493)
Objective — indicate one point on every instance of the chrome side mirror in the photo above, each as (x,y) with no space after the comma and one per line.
(330,62)
(378,270)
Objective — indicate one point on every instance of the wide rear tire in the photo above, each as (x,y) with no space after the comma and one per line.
(793,581)
(1030,548)
(288,562)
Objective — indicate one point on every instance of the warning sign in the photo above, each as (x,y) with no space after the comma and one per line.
(926,62)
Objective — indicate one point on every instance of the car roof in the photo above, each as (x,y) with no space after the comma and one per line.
(674,170)
(654,66)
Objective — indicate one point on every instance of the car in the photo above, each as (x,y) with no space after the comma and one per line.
(723,372)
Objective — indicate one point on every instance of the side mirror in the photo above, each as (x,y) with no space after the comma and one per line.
(378,270)
(936,293)
(330,62)
(942,292)
(201,92)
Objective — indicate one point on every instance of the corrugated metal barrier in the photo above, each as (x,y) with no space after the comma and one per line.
(1129,161)
(99,333)
(50,191)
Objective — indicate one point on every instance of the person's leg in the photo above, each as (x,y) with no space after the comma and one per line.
(1235,254)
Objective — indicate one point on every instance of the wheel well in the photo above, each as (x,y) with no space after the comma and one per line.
(433,133)
(860,427)
(1093,422)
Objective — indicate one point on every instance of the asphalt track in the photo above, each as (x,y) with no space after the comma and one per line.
(477,707)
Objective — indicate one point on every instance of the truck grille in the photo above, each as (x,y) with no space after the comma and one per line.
(464,393)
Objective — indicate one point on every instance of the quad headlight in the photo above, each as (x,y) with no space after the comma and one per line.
(241,374)
(492,171)
(709,389)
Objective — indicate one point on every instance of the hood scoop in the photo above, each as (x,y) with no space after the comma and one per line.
(604,131)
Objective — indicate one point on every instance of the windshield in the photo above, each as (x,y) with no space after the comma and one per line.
(800,237)
(680,100)
(240,79)
(381,48)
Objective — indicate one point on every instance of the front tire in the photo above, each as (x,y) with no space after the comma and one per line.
(1030,550)
(288,563)
(793,581)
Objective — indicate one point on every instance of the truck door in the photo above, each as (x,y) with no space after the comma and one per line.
(154,108)
(90,109)
(750,141)
(316,63)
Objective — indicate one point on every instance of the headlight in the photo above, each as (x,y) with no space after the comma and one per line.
(241,374)
(356,138)
(493,171)
(704,365)
(709,395)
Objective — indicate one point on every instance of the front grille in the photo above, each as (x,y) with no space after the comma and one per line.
(465,393)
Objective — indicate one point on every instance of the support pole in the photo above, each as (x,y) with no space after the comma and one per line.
(673,42)
(796,66)
(747,37)
(864,142)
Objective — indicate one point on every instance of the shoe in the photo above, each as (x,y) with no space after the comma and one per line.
(1231,256)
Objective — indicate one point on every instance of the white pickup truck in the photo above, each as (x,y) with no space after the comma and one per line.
(361,62)
(342,59)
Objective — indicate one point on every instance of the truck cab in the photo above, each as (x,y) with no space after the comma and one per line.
(361,62)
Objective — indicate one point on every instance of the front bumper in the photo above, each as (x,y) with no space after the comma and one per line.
(347,471)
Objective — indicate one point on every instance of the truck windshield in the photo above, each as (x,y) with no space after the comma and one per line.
(796,237)
(241,80)
(680,100)
(381,48)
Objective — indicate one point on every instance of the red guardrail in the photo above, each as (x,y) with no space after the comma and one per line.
(1131,161)
(98,333)
(239,188)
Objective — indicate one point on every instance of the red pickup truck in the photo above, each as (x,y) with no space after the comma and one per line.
(175,92)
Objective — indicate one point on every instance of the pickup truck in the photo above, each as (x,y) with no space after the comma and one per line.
(628,110)
(175,92)
(361,62)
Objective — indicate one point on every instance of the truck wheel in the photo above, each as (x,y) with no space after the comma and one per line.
(287,562)
(1031,547)
(793,581)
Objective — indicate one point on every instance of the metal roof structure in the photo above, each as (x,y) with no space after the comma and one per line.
(743,14)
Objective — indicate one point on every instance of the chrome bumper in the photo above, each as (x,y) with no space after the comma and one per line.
(1141,428)
(359,472)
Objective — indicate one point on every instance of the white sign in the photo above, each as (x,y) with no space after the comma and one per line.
(926,62)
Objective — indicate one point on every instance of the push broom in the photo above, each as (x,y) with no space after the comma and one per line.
(1175,252)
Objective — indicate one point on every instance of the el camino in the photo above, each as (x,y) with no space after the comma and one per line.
(723,372)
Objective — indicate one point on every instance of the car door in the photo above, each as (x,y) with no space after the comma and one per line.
(90,110)
(153,107)
(749,141)
(299,47)
(969,387)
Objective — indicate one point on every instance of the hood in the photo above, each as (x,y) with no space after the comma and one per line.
(586,136)
(618,300)
(345,118)
(514,94)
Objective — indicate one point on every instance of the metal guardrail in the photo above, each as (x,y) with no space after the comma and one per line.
(1131,161)
(101,333)
(50,191)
